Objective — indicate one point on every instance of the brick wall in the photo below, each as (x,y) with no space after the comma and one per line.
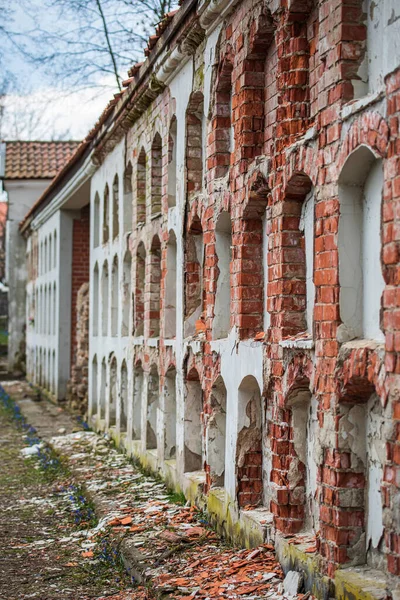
(281,124)
(80,269)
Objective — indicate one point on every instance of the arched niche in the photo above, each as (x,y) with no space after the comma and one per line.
(223,249)
(359,245)
(170,414)
(249,452)
(128,199)
(156,175)
(153,404)
(170,289)
(193,426)
(216,433)
(155,287)
(172,166)
(115,207)
(123,420)
(114,297)
(194,276)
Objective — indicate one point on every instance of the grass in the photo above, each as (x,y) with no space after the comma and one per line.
(177,497)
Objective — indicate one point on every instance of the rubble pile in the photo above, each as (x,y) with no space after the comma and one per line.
(164,544)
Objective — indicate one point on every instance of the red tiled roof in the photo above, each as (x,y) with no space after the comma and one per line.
(37,160)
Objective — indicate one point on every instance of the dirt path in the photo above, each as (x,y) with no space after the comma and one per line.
(134,540)
(43,520)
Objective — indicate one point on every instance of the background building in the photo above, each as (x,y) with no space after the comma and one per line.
(27,169)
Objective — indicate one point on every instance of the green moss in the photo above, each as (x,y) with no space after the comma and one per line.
(177,497)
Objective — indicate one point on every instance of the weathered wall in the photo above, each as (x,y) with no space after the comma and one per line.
(244,274)
(21,196)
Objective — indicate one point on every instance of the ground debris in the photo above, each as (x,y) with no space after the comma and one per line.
(174,547)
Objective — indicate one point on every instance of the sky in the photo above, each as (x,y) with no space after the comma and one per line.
(38,105)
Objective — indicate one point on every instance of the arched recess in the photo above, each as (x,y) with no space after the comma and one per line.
(303,465)
(194,264)
(123,421)
(222,122)
(193,426)
(114,297)
(49,371)
(104,299)
(127,292)
(55,249)
(141,188)
(170,289)
(94,391)
(103,390)
(298,254)
(127,213)
(45,311)
(54,382)
(95,305)
(40,368)
(54,309)
(106,214)
(156,175)
(216,433)
(45,372)
(249,444)
(46,257)
(113,394)
(50,311)
(137,401)
(222,306)
(170,414)
(96,221)
(140,289)
(153,403)
(155,287)
(362,426)
(252,254)
(195,143)
(172,179)
(115,207)
(359,245)
(50,257)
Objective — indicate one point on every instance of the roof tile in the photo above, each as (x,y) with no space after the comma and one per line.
(37,160)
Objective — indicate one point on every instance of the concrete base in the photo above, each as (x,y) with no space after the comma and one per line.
(361,583)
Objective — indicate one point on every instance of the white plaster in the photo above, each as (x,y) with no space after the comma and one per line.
(383,40)
(21,196)
(265,249)
(376,456)
(48,329)
(194,450)
(374,283)
(223,244)
(170,288)
(169,407)
(360,273)
(307,225)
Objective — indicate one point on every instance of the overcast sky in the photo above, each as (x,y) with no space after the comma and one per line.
(38,106)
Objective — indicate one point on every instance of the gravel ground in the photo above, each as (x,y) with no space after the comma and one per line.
(44,525)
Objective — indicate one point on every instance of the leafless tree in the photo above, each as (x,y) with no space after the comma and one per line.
(88,43)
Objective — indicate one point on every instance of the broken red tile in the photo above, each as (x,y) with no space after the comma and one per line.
(195,531)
